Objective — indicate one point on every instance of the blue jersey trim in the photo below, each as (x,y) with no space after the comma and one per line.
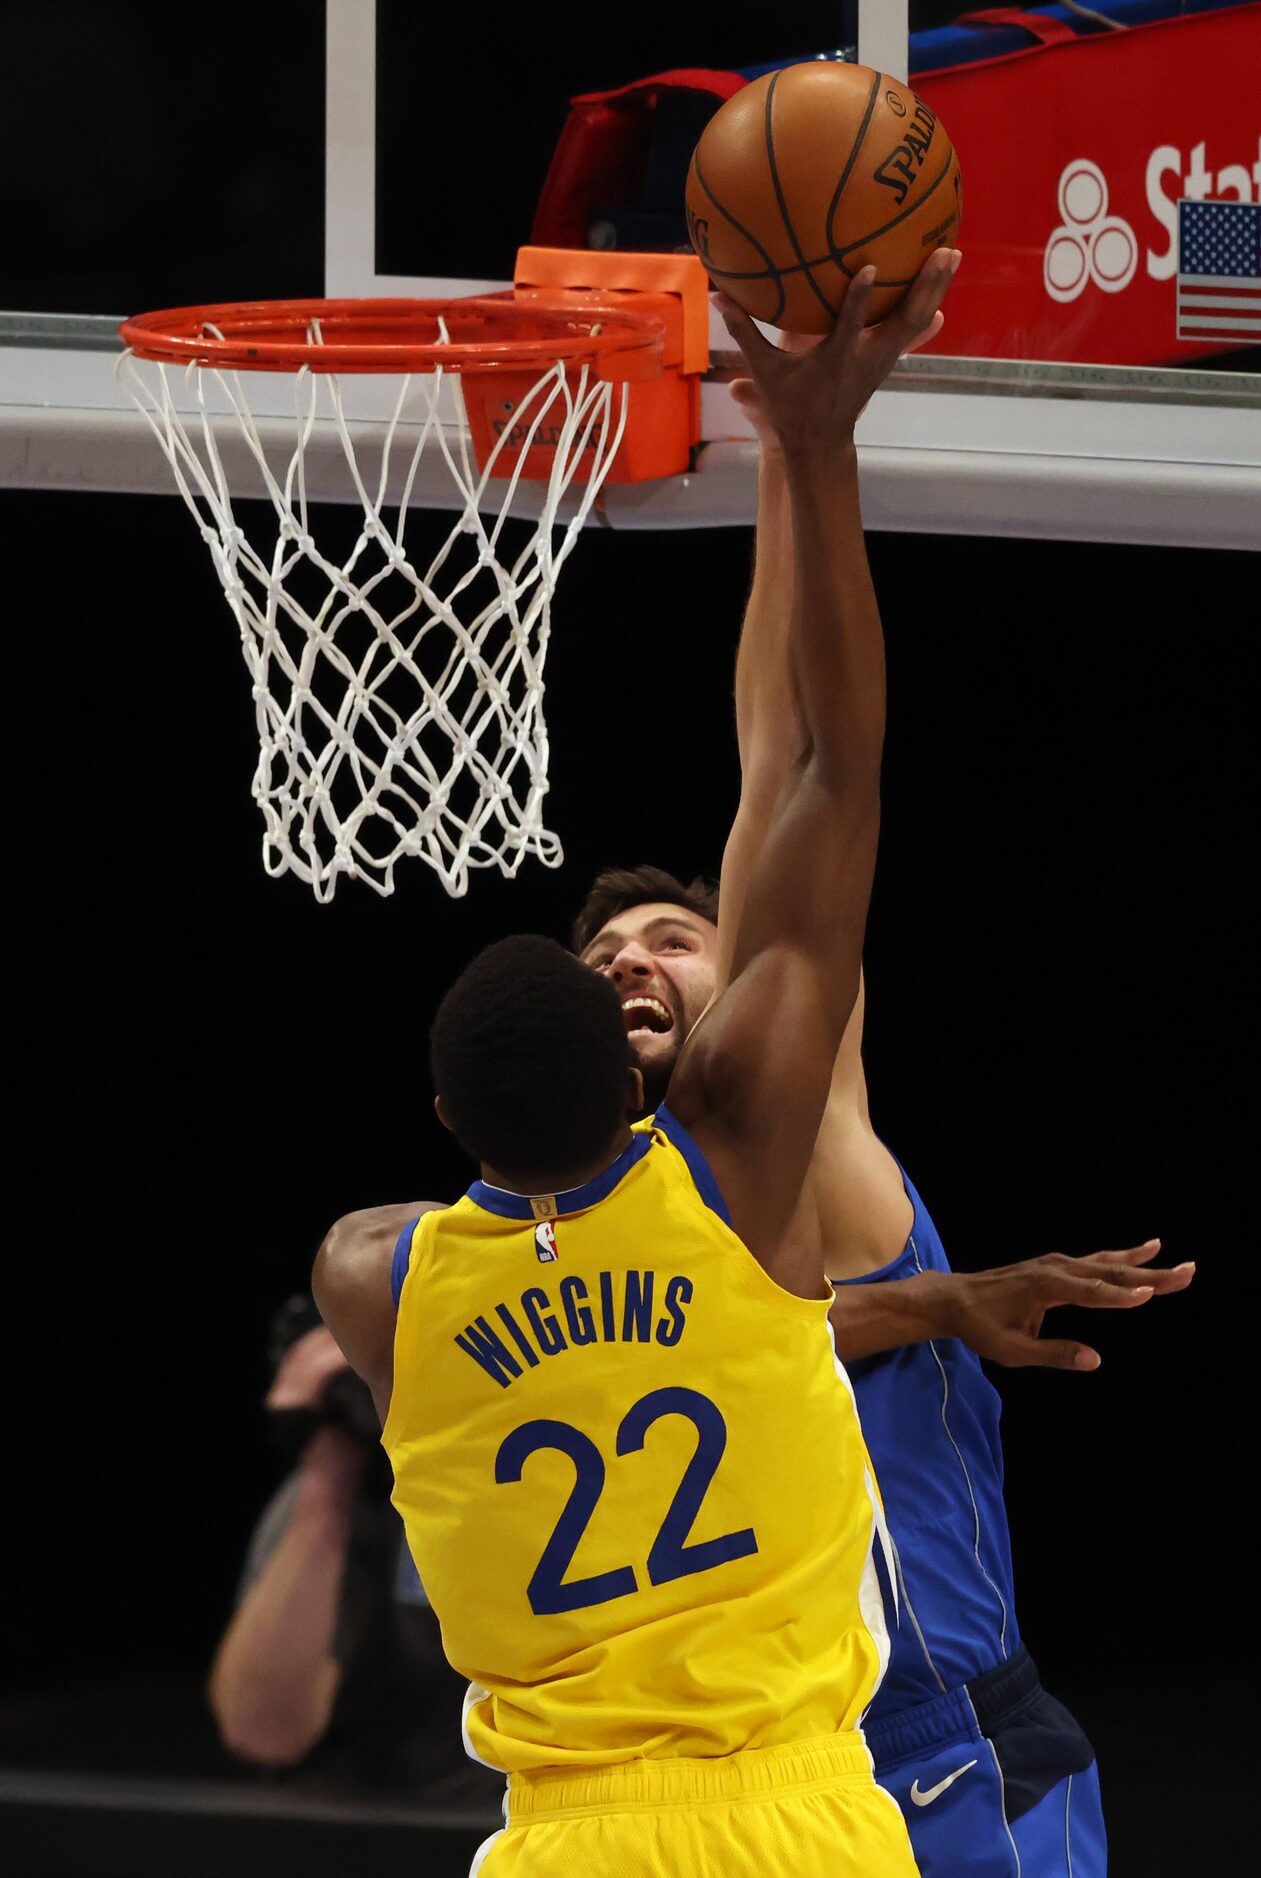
(519,1205)
(699,1168)
(402,1258)
(884,1273)
(906,1256)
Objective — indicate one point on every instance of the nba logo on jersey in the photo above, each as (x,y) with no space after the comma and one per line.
(545,1242)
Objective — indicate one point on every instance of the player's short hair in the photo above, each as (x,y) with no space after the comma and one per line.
(529,1055)
(619,888)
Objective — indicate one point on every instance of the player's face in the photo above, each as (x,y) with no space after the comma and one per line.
(661,960)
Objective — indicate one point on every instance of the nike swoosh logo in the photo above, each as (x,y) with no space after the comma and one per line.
(935,1793)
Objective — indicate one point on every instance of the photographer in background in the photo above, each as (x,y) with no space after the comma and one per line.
(331,1668)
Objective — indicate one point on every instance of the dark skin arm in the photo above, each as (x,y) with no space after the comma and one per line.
(996,1313)
(855,1190)
(351,1286)
(999,1313)
(753,1078)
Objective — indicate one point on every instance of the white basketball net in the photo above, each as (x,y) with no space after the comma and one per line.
(399,706)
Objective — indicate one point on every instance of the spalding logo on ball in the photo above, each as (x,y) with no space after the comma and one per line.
(811,173)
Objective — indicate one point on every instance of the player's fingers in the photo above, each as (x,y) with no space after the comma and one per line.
(930,332)
(1131,1254)
(1177,1278)
(1071,1355)
(1120,1293)
(1172,1278)
(932,284)
(853,314)
(1022,1352)
(757,350)
(746,397)
(1128,1255)
(1121,1268)
(800,342)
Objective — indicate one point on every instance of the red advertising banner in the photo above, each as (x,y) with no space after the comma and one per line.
(1075,155)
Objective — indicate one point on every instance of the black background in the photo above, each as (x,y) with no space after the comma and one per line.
(207,1067)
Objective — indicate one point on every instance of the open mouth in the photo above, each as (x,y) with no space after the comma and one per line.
(649,1015)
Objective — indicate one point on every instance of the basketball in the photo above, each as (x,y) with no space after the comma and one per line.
(811,173)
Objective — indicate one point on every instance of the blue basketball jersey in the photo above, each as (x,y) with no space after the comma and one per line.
(930,1419)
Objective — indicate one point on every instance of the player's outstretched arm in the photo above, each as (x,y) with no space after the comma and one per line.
(770,733)
(753,1079)
(769,729)
(999,1313)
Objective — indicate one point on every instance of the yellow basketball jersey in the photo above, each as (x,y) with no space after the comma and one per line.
(631,1473)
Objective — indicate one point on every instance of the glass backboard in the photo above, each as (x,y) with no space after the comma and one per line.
(1081,389)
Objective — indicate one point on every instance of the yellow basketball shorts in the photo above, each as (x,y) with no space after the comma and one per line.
(808,1810)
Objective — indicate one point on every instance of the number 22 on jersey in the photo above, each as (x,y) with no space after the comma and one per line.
(670,1556)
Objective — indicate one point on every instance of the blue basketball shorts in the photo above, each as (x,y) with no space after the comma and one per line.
(995,1780)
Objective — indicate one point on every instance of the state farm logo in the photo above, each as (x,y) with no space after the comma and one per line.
(1089,245)
(1092,247)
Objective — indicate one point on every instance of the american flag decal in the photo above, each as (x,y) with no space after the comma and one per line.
(1219,272)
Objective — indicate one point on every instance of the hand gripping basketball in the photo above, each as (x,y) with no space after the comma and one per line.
(812,399)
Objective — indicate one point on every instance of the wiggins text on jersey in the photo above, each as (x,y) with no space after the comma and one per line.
(627,1308)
